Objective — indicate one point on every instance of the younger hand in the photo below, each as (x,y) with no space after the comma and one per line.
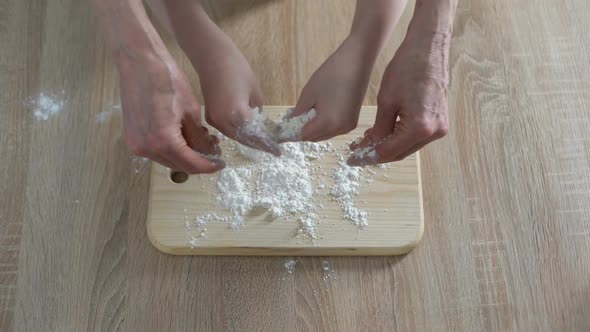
(412,107)
(336,92)
(230,88)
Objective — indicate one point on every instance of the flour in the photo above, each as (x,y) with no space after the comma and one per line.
(364,156)
(290,265)
(282,188)
(290,128)
(106,116)
(250,153)
(284,185)
(347,181)
(259,129)
(46,105)
(308,226)
(235,193)
(329,274)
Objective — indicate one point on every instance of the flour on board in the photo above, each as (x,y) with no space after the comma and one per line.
(283,186)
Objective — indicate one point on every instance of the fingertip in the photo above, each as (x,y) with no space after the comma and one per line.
(363,156)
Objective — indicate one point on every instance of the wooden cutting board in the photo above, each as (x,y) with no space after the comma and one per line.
(393,201)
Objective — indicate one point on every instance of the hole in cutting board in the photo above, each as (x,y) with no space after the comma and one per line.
(178,176)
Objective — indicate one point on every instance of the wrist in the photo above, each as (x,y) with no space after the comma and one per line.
(128,31)
(430,29)
(433,19)
(375,20)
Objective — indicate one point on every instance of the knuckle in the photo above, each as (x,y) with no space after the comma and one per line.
(443,130)
(426,129)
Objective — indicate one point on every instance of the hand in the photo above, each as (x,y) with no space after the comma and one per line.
(161,117)
(229,86)
(336,92)
(231,91)
(412,106)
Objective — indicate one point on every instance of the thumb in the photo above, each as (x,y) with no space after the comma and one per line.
(384,125)
(298,123)
(197,136)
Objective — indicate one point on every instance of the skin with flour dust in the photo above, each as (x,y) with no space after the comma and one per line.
(162,119)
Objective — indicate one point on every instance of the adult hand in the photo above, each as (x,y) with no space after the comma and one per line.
(161,117)
(412,106)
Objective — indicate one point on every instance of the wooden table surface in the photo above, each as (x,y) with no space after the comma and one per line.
(506,193)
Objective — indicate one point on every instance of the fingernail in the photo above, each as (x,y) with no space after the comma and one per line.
(218,164)
(356,143)
(363,157)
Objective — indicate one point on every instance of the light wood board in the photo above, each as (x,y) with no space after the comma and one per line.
(392,200)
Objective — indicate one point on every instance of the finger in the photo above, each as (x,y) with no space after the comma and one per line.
(190,161)
(385,120)
(384,125)
(255,131)
(305,127)
(197,136)
(388,149)
(415,148)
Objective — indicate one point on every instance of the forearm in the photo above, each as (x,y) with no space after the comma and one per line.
(374,21)
(432,24)
(429,34)
(128,31)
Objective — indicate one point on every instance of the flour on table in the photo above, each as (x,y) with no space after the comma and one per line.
(290,265)
(46,105)
(106,116)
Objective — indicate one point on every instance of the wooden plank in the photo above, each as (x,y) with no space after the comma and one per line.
(393,201)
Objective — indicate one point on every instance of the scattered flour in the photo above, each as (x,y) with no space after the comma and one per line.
(283,186)
(138,163)
(347,181)
(106,116)
(235,193)
(259,129)
(290,128)
(329,274)
(290,265)
(308,226)
(46,105)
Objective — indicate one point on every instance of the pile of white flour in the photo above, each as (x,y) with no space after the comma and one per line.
(283,187)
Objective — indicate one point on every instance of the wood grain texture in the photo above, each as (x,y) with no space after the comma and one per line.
(393,201)
(506,194)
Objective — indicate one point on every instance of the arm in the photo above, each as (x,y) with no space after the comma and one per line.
(412,101)
(337,89)
(161,117)
(230,88)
